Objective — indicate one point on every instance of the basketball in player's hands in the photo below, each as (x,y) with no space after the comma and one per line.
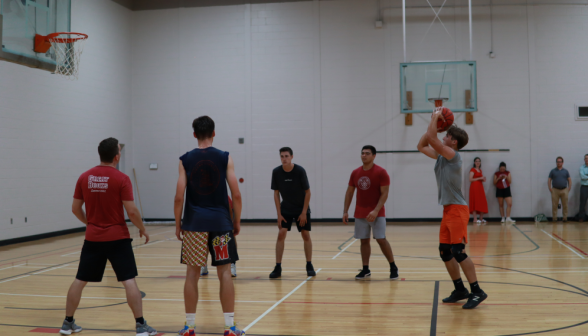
(444,123)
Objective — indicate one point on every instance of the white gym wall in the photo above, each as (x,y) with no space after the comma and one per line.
(50,127)
(318,77)
(315,76)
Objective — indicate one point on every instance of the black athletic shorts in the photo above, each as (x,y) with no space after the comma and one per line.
(291,218)
(94,256)
(504,193)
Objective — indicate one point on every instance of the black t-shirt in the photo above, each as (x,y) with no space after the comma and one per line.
(292,187)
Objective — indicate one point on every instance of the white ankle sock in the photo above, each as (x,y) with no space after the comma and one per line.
(229,319)
(190,319)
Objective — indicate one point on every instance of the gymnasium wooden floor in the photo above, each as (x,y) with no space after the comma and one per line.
(535,277)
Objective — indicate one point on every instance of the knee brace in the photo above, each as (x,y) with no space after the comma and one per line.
(445,252)
(458,251)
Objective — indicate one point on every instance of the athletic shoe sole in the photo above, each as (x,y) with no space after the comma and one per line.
(69,332)
(365,277)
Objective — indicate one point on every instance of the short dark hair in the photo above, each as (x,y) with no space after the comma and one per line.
(287,149)
(502,164)
(459,135)
(477,158)
(108,149)
(203,127)
(559,157)
(371,148)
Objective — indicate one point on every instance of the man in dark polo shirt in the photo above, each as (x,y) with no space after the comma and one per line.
(559,184)
(290,181)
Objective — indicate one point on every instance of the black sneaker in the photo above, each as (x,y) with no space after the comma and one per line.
(363,275)
(474,300)
(276,273)
(394,273)
(310,270)
(456,296)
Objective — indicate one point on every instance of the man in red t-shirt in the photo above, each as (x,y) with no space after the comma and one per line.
(105,190)
(372,183)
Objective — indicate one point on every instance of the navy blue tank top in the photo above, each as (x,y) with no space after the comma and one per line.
(207,202)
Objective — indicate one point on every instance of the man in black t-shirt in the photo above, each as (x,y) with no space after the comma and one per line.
(290,181)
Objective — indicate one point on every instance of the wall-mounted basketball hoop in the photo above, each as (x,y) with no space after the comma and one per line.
(68,47)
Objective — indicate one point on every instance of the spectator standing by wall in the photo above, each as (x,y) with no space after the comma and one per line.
(559,184)
(502,180)
(583,189)
(478,203)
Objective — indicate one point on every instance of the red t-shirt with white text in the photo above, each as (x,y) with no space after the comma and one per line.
(103,188)
(368,183)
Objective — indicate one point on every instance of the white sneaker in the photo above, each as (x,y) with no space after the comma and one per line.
(484,222)
(234,270)
(479,222)
(204,270)
(503,220)
(510,220)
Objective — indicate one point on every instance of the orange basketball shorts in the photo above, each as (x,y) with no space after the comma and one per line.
(454,225)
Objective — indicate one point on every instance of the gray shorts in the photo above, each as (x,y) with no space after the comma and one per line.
(363,228)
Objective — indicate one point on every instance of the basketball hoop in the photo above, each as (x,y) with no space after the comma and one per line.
(68,48)
(438,101)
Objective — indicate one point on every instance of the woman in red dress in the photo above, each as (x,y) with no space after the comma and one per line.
(478,203)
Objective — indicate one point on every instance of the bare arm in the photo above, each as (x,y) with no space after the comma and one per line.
(509,179)
(135,217)
(348,198)
(438,146)
(472,177)
(423,147)
(495,179)
(78,210)
(302,218)
(278,208)
(179,199)
(383,197)
(236,196)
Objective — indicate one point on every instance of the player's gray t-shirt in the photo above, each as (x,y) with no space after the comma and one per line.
(448,174)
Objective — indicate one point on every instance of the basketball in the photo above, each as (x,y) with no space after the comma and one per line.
(443,125)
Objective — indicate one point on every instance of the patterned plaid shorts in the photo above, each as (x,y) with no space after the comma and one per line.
(195,248)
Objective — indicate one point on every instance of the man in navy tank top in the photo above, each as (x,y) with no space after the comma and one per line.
(207,225)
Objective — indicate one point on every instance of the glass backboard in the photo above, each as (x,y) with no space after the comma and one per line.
(423,82)
(22,20)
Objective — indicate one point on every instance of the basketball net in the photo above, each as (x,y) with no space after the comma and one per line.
(68,49)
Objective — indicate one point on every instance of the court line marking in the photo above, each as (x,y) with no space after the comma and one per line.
(1,269)
(434,312)
(115,298)
(24,276)
(564,245)
(343,250)
(278,303)
(51,269)
(568,243)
